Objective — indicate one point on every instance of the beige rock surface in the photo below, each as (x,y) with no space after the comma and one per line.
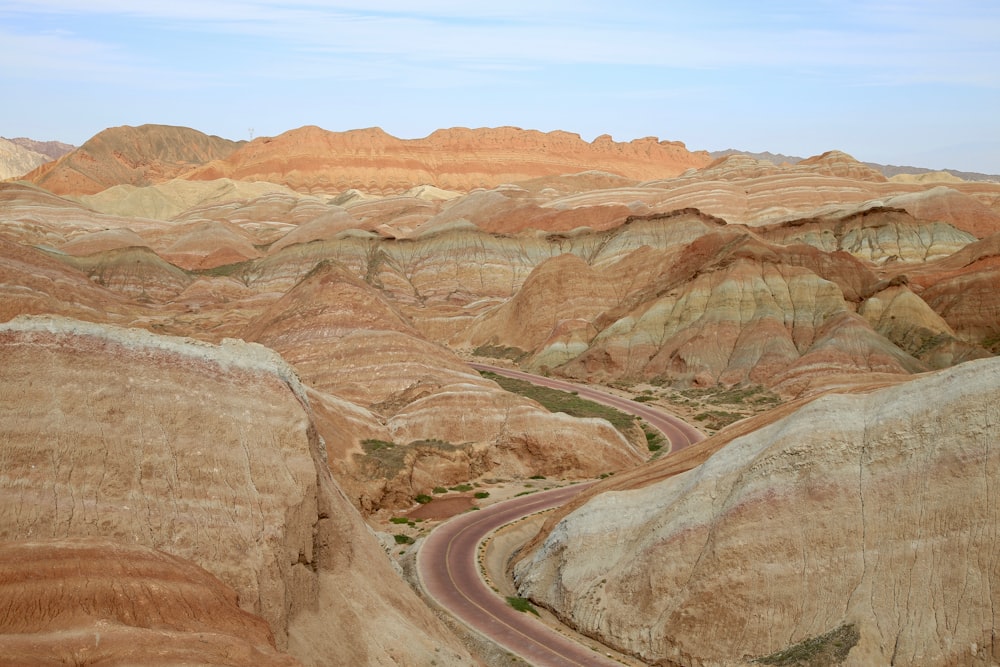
(208,453)
(873,510)
(17,160)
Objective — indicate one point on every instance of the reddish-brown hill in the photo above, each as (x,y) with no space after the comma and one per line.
(142,155)
(313,159)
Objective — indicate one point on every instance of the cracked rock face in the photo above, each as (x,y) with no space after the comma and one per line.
(873,511)
(207,453)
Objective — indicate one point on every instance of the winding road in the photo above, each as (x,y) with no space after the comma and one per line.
(447,560)
(677,431)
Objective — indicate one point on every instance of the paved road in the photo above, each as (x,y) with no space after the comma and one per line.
(447,567)
(448,570)
(678,432)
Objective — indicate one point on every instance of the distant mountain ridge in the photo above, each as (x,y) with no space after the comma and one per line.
(50,149)
(312,159)
(888,170)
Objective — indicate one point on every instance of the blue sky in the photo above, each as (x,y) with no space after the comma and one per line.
(902,82)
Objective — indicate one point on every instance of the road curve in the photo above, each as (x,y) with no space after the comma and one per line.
(448,571)
(447,560)
(678,432)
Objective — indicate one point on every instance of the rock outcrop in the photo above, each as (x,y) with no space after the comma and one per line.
(210,454)
(431,420)
(866,523)
(130,155)
(313,159)
(16,160)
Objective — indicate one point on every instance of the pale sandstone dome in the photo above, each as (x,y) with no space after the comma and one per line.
(877,510)
(17,160)
(165,201)
(928,177)
(208,453)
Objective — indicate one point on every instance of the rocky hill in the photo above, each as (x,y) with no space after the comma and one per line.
(850,529)
(311,159)
(887,170)
(122,443)
(16,160)
(141,155)
(363,299)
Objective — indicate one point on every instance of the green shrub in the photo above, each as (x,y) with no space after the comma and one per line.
(482,494)
(440,489)
(423,499)
(827,649)
(403,539)
(399,519)
(522,604)
(462,488)
(569,402)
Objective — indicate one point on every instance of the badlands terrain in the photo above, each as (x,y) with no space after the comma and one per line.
(233,371)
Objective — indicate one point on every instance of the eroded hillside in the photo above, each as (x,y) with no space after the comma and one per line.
(861,527)
(371,286)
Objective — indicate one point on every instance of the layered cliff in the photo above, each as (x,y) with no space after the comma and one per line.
(860,527)
(133,441)
(313,159)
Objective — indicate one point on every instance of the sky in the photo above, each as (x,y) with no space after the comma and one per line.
(912,82)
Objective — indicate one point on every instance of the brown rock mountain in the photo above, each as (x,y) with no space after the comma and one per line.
(859,523)
(50,149)
(130,155)
(311,159)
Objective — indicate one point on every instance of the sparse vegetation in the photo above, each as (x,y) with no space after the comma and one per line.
(462,488)
(482,494)
(654,439)
(403,539)
(423,499)
(716,419)
(385,455)
(822,651)
(390,457)
(522,604)
(440,489)
(555,400)
(500,352)
(399,520)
